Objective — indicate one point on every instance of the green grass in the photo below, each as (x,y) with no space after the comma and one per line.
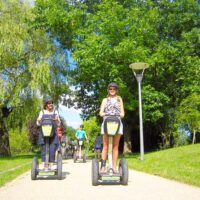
(181,163)
(11,167)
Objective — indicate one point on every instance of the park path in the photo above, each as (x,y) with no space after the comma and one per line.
(76,185)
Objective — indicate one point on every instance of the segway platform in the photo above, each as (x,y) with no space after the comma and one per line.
(110,177)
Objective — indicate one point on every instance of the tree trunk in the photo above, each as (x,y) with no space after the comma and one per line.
(194,137)
(127,142)
(4,138)
(129,124)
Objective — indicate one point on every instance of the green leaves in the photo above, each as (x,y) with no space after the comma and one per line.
(154,104)
(189,112)
(31,65)
(106,36)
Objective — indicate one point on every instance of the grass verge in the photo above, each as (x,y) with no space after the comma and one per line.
(11,167)
(180,163)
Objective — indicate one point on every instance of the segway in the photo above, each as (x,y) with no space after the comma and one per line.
(111,127)
(77,154)
(47,131)
(63,146)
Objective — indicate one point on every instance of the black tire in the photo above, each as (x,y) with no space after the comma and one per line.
(75,157)
(59,166)
(123,169)
(95,172)
(84,158)
(34,168)
(63,152)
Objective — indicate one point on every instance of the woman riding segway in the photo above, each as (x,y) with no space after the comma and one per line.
(112,110)
(111,106)
(48,119)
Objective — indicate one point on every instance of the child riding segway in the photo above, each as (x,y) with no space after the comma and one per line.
(48,120)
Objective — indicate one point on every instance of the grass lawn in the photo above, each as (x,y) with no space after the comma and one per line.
(181,163)
(11,167)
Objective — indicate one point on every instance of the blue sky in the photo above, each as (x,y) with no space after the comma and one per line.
(71,116)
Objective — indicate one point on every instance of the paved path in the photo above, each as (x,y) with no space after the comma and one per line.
(76,185)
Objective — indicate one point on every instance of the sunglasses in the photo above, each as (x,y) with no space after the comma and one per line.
(49,103)
(112,89)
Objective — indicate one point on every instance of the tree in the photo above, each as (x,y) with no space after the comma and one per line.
(189,114)
(92,129)
(105,39)
(118,34)
(29,68)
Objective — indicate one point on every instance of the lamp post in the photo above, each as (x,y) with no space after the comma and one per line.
(138,71)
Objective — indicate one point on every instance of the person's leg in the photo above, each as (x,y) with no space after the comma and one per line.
(83,148)
(104,152)
(116,140)
(52,152)
(42,149)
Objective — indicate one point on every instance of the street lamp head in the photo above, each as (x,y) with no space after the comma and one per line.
(139,66)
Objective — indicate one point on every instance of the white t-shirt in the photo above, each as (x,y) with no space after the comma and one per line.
(46,112)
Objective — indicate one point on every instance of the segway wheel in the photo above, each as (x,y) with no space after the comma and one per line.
(84,158)
(75,157)
(63,153)
(123,168)
(34,168)
(59,166)
(95,172)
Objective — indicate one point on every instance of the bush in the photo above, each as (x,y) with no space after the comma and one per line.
(181,138)
(19,142)
(33,132)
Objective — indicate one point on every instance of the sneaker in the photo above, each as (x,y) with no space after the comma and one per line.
(53,167)
(115,171)
(46,168)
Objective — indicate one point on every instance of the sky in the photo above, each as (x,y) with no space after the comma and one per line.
(71,116)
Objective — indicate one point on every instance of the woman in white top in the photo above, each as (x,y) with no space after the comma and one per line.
(112,105)
(49,113)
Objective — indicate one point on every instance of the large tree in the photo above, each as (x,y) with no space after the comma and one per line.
(104,37)
(162,33)
(30,67)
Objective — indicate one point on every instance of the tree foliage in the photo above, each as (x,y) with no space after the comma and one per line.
(188,113)
(92,130)
(104,37)
(31,65)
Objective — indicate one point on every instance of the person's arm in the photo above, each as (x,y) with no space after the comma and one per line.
(38,121)
(122,108)
(76,134)
(58,120)
(102,108)
(86,136)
